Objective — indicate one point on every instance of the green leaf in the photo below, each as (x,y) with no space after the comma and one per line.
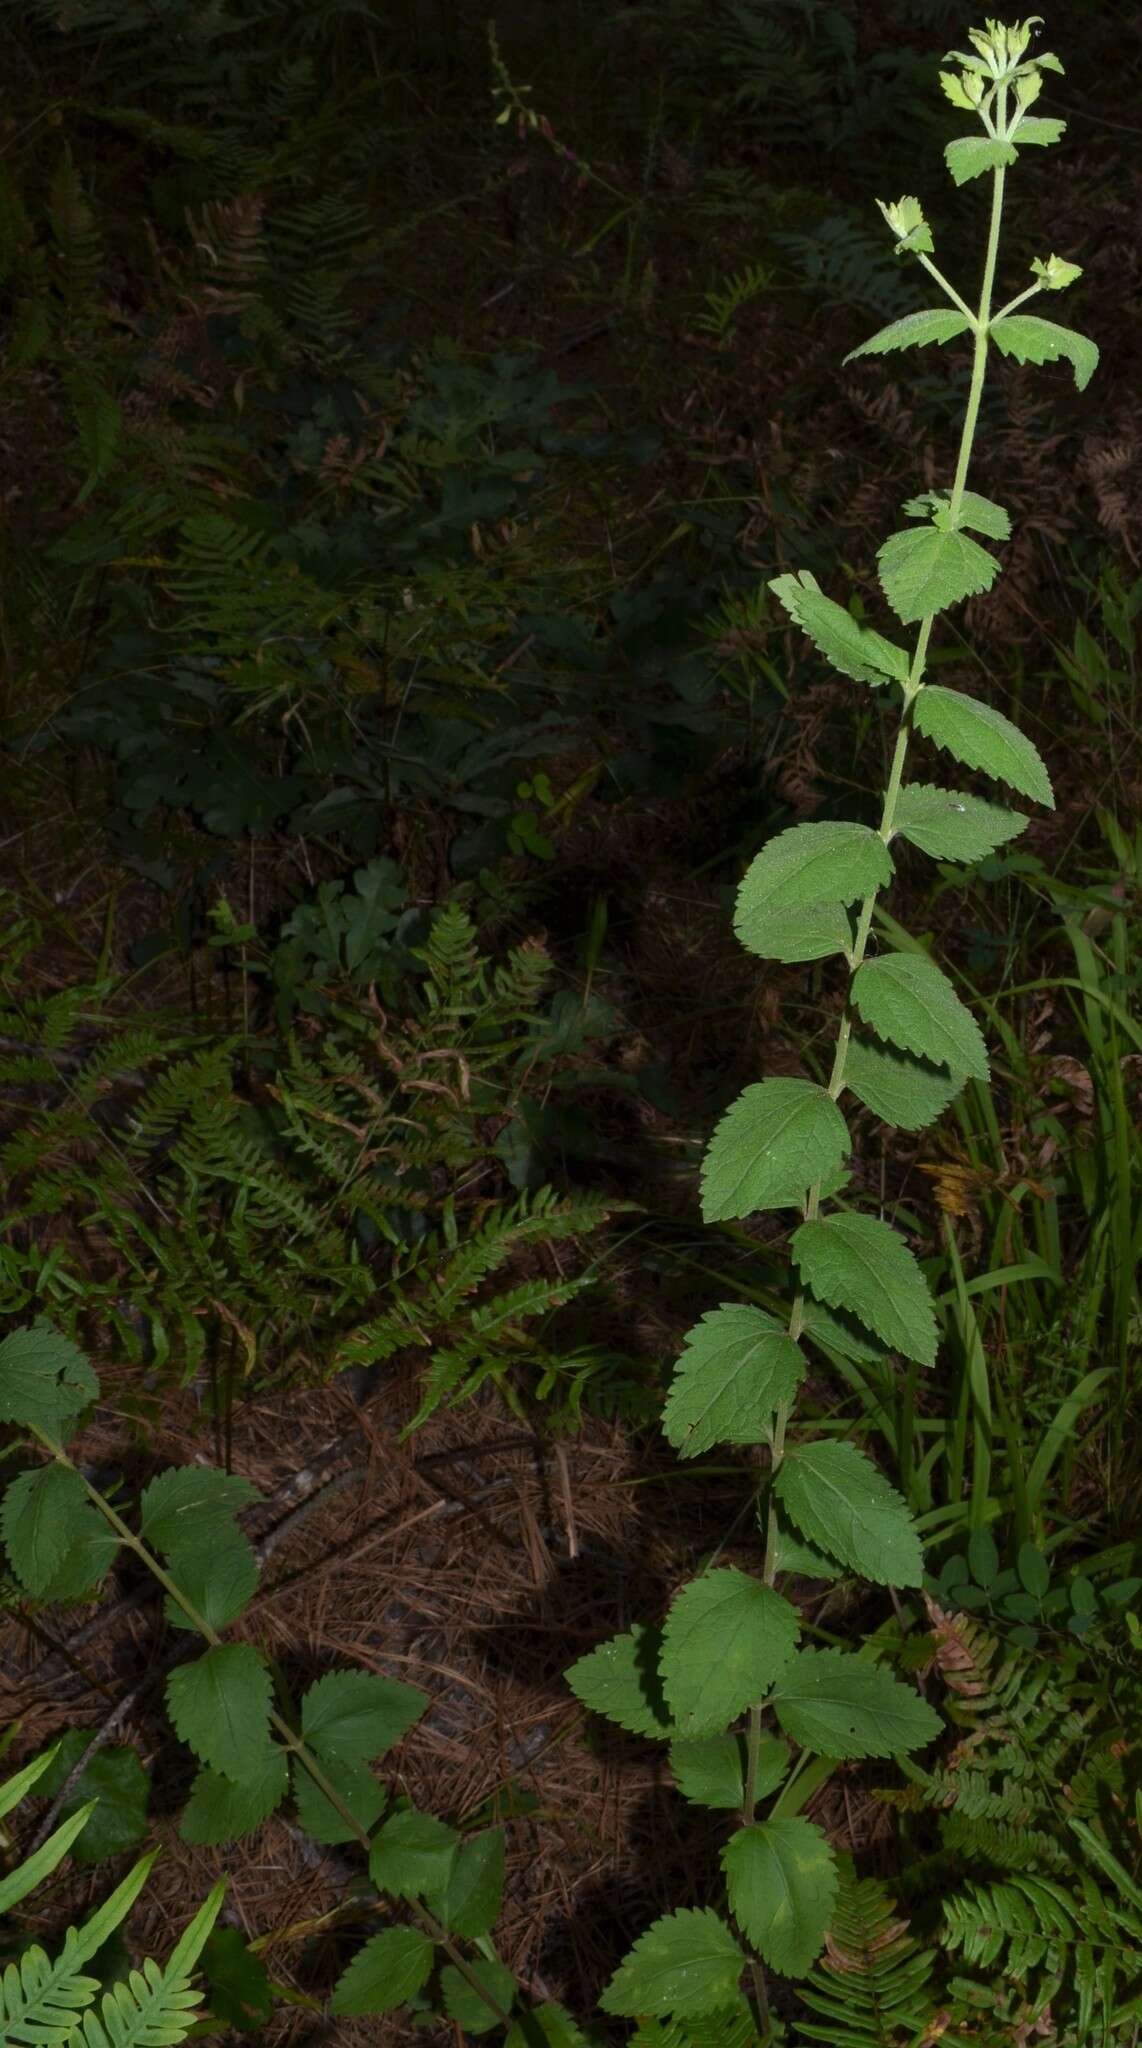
(191,1506)
(43,1514)
(906,219)
(843,1706)
(923,571)
(948,824)
(1055,274)
(469,1904)
(356,1788)
(860,1263)
(982,737)
(687,1963)
(462,2001)
(620,1680)
(782,1882)
(938,323)
(983,515)
(1031,340)
(220,1707)
(971,155)
(218,1579)
(910,1001)
(711,1770)
(546,2026)
(90,1556)
(724,1641)
(772,1143)
(239,1984)
(357,1717)
(387,1972)
(792,1555)
(113,1777)
(1033,1569)
(843,1504)
(907,1093)
(45,1380)
(813,933)
(412,1855)
(1039,129)
(853,649)
(842,1334)
(737,1365)
(809,866)
(224,1810)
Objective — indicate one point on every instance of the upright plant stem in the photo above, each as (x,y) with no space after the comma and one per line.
(895,783)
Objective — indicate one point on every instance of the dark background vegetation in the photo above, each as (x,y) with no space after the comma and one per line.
(389,499)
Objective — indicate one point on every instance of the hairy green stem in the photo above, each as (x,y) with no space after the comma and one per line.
(915,684)
(291,1740)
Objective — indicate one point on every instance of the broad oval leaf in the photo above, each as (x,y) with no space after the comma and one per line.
(385,1973)
(190,1506)
(710,1770)
(982,737)
(815,932)
(44,1513)
(359,1716)
(464,2002)
(726,1638)
(781,1876)
(412,1855)
(220,1707)
(855,650)
(620,1681)
(1031,340)
(810,865)
(948,824)
(843,1504)
(363,1795)
(841,1705)
(470,1902)
(688,1963)
(910,1001)
(935,323)
(923,571)
(902,1091)
(736,1367)
(861,1264)
(45,1379)
(1039,129)
(771,1145)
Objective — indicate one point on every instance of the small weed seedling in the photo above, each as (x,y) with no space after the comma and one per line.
(726,1680)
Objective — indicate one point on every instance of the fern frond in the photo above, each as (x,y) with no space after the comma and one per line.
(871,1986)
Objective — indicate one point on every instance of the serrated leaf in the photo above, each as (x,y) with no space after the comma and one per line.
(841,1705)
(971,155)
(45,1379)
(546,2026)
(223,1810)
(772,1143)
(387,1972)
(412,1855)
(853,649)
(357,1716)
(710,1771)
(937,323)
(1055,274)
(860,1264)
(220,1706)
(1040,129)
(724,1641)
(948,824)
(43,1514)
(906,219)
(910,1001)
(923,571)
(983,515)
(816,932)
(115,1779)
(792,1555)
(89,1558)
(737,1365)
(463,2002)
(1031,340)
(218,1580)
(355,1787)
(902,1091)
(838,1499)
(782,1881)
(620,1681)
(687,1963)
(470,1901)
(810,867)
(841,1333)
(982,737)
(190,1506)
